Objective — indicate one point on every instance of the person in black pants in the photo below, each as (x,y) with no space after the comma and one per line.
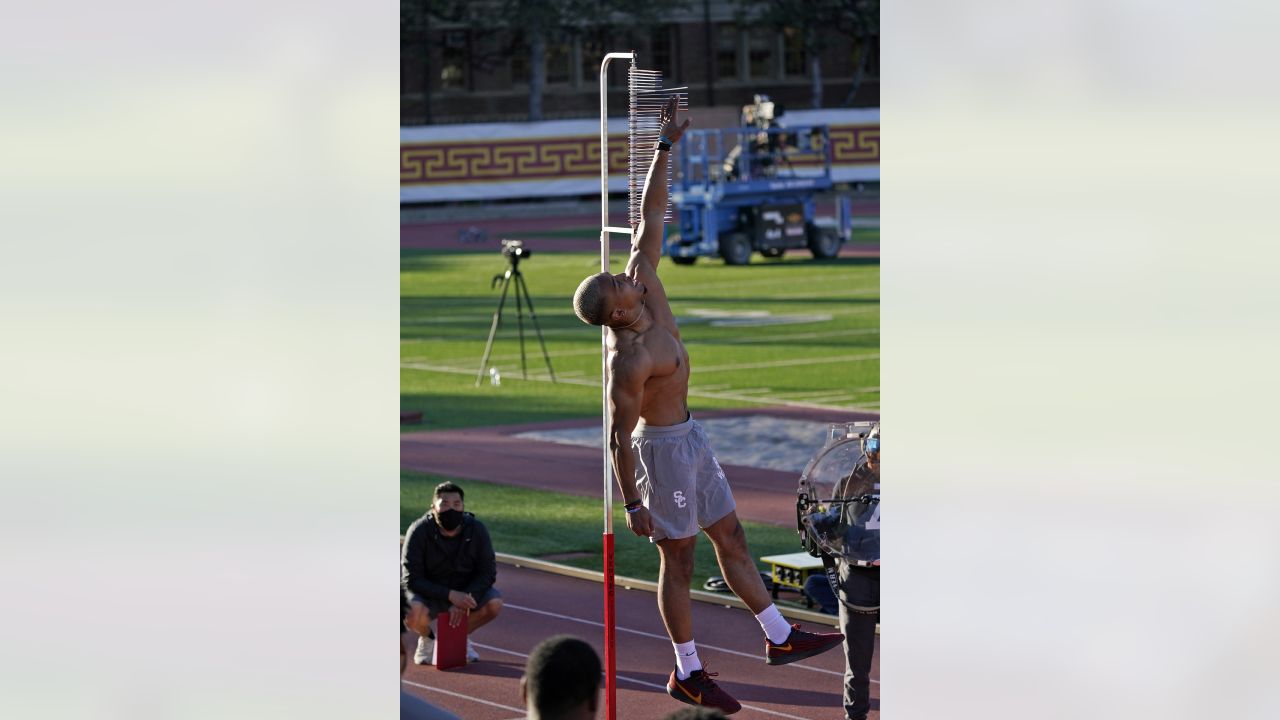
(848,534)
(859,614)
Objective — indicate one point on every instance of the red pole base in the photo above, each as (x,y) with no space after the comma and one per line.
(610,656)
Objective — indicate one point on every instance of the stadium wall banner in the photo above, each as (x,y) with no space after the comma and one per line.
(546,159)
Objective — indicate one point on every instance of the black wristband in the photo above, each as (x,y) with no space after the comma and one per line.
(663,146)
(633,504)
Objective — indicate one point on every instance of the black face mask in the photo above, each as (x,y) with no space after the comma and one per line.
(450,519)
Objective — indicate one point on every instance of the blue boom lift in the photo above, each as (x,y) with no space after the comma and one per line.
(752,189)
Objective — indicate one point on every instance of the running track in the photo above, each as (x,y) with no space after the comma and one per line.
(540,604)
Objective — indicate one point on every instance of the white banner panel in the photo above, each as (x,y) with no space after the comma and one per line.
(440,163)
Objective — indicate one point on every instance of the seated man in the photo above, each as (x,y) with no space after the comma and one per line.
(561,680)
(448,567)
(817,589)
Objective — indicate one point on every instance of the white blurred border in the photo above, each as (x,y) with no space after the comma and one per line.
(199,284)
(1079,300)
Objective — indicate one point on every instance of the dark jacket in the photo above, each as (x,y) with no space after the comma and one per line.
(428,569)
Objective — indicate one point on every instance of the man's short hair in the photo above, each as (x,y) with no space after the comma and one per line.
(448,487)
(588,301)
(562,673)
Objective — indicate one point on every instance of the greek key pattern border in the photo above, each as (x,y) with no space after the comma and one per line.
(570,157)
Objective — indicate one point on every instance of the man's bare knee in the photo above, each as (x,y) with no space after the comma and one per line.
(677,556)
(728,536)
(418,618)
(493,607)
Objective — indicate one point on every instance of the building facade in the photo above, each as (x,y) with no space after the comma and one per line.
(466,73)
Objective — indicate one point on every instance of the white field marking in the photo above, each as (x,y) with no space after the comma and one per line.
(595,383)
(748,340)
(809,394)
(785,282)
(643,683)
(664,638)
(460,695)
(806,296)
(787,363)
(554,354)
(449,319)
(750,318)
(770,400)
(830,398)
(753,391)
(788,337)
(723,386)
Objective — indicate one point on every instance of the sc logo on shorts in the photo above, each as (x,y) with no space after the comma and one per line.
(679,498)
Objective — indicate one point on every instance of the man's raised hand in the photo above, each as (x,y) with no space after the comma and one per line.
(670,130)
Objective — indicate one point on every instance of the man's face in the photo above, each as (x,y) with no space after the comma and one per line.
(622,291)
(447,501)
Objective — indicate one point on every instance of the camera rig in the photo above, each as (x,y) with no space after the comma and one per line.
(838,496)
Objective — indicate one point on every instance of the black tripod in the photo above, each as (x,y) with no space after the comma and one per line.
(513,272)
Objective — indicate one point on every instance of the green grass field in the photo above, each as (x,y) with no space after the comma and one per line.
(538,523)
(777,331)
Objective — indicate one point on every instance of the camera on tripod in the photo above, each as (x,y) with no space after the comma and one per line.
(515,250)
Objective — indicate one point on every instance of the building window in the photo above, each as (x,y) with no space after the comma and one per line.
(663,51)
(727,51)
(760,43)
(593,53)
(794,61)
(453,61)
(873,58)
(520,62)
(559,58)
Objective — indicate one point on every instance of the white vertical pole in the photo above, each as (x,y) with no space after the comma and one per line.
(610,662)
(604,267)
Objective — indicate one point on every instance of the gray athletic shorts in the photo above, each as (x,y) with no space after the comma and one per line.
(679,479)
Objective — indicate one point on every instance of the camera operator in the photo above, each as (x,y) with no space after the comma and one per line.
(765,148)
(852,527)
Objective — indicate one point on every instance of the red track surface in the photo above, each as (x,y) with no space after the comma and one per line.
(539,605)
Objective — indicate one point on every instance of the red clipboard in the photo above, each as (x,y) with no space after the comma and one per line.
(451,644)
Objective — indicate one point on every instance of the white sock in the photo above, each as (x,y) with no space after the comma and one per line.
(775,626)
(686,659)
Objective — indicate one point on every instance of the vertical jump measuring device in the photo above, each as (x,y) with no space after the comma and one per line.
(645,102)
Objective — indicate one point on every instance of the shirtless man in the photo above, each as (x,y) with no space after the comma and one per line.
(670,480)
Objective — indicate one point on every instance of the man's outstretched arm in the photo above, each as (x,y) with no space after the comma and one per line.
(653,203)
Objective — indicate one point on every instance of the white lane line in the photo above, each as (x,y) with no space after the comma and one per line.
(460,695)
(664,638)
(786,363)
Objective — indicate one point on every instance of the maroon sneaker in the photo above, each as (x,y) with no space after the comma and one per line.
(700,689)
(799,645)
